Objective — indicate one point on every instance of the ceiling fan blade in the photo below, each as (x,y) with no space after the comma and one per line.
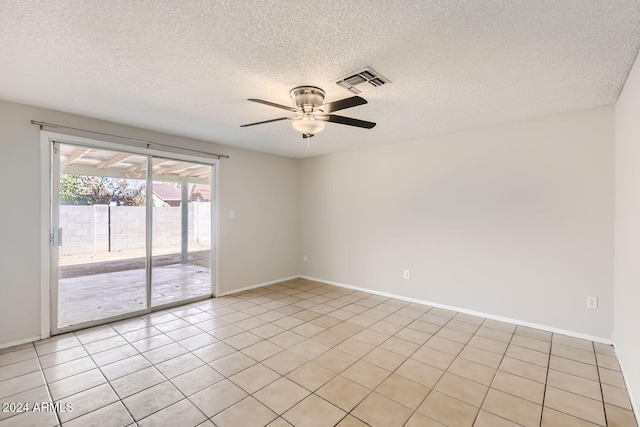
(272,104)
(346,121)
(354,101)
(266,121)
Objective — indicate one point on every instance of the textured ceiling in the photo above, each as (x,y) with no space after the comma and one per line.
(187,67)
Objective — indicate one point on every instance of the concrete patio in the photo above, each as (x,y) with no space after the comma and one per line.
(91,297)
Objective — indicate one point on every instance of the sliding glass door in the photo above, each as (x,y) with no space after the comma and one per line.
(130,232)
(181,231)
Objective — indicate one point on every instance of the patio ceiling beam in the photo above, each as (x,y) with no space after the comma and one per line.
(175,178)
(176,168)
(138,168)
(75,155)
(113,160)
(160,163)
(120,173)
(195,172)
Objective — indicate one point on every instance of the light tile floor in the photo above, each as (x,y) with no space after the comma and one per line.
(307,354)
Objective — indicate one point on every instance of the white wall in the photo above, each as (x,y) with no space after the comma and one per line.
(627,232)
(257,246)
(513,220)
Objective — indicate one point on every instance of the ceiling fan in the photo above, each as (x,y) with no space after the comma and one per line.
(311,114)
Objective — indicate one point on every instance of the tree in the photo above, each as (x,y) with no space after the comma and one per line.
(94,190)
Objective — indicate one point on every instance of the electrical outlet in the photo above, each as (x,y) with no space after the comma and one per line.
(407,274)
(232,214)
(592,302)
(305,258)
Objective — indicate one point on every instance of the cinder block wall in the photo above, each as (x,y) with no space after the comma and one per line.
(86,228)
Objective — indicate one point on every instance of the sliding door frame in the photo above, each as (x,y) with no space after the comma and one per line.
(50,166)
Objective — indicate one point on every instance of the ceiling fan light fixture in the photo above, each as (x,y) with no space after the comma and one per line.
(308,125)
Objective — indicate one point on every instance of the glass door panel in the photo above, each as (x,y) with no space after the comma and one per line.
(101,209)
(182,230)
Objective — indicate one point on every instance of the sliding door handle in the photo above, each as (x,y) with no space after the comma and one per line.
(56,237)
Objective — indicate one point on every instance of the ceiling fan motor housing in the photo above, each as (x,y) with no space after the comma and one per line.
(307,98)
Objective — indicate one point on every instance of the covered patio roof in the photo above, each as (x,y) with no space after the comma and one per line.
(99,162)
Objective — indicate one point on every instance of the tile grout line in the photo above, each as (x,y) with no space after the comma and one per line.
(107,380)
(161,373)
(546,379)
(170,382)
(604,407)
(260,362)
(347,413)
(407,357)
(378,346)
(121,400)
(46,383)
(420,346)
(153,365)
(224,376)
(362,358)
(40,369)
(580,376)
(494,377)
(313,392)
(97,366)
(444,371)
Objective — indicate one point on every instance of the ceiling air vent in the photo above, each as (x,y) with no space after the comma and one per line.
(362,81)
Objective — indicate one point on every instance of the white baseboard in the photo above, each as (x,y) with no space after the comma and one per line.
(435,304)
(467,311)
(259,285)
(636,412)
(24,341)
